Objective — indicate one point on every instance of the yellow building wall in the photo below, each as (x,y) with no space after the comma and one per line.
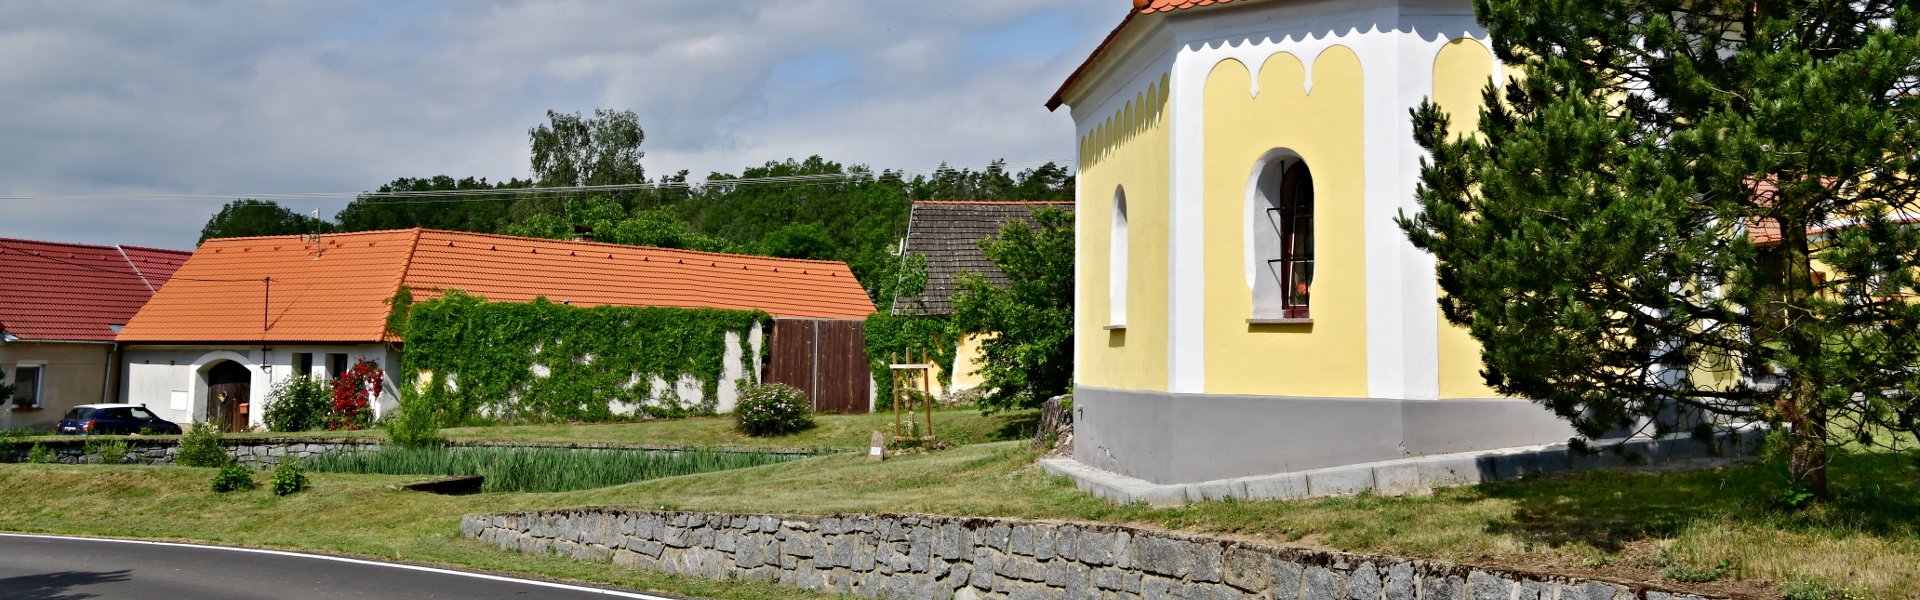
(1128,150)
(1460,71)
(966,364)
(1328,357)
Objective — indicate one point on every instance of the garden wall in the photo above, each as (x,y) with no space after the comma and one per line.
(909,556)
(266,453)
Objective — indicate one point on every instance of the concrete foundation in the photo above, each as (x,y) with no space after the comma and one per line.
(1167,438)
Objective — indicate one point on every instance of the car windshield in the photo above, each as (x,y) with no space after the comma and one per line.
(140,413)
(81,412)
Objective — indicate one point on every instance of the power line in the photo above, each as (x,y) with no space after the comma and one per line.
(489,194)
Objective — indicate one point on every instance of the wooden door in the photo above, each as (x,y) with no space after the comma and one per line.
(229,390)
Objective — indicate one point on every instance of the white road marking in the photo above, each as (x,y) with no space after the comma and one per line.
(534,582)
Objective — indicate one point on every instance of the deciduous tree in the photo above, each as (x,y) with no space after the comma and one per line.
(1027,324)
(248,217)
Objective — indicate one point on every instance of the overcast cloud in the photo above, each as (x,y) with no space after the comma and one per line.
(246,97)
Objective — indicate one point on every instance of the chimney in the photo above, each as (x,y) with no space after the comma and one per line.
(583,233)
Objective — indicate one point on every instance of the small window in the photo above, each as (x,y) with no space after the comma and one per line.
(1296,239)
(303,363)
(336,365)
(140,413)
(1117,262)
(1282,243)
(26,386)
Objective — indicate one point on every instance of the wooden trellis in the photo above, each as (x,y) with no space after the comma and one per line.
(902,372)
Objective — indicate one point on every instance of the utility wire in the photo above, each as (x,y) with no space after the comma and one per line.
(489,194)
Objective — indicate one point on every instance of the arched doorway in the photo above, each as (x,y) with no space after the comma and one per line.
(229,388)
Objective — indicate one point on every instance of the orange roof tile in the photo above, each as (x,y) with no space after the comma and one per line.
(1140,7)
(339,292)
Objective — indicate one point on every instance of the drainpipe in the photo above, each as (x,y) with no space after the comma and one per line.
(110,383)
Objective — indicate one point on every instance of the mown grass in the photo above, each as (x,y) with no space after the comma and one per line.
(358,515)
(523,469)
(1626,525)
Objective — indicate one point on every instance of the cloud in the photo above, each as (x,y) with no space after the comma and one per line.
(330,96)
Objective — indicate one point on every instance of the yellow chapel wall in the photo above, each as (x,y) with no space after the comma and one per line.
(1327,358)
(1461,71)
(1128,150)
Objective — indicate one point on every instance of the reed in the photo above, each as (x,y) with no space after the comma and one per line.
(535,469)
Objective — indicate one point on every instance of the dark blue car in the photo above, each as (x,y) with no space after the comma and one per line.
(113,419)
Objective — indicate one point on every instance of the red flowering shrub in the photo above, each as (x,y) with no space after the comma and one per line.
(353,395)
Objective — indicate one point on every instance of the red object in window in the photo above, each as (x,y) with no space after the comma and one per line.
(1296,242)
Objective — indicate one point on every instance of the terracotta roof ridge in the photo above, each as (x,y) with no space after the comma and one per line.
(302,235)
(406,268)
(4,241)
(182,253)
(136,269)
(634,247)
(994,202)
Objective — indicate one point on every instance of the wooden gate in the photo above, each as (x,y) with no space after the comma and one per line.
(825,359)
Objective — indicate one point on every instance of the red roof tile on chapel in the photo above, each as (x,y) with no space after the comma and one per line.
(1140,7)
(338,291)
(52,291)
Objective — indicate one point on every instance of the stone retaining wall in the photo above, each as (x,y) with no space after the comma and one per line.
(256,453)
(908,556)
(265,453)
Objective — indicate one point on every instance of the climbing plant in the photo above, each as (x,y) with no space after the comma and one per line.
(353,395)
(906,338)
(545,361)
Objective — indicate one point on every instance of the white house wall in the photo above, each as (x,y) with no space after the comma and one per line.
(167,378)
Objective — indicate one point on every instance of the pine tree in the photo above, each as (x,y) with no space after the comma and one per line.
(1638,221)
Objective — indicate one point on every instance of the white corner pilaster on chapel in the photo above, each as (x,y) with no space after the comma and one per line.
(1186,224)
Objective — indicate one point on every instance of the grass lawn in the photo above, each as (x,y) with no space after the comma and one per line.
(1625,525)
(956,425)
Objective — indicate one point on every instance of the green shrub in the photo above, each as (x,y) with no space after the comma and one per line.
(200,447)
(414,424)
(110,453)
(41,455)
(289,477)
(232,477)
(772,409)
(298,403)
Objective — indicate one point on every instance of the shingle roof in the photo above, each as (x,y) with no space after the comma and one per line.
(1141,7)
(76,292)
(948,233)
(339,293)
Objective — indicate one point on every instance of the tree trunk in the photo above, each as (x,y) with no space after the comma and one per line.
(1800,408)
(1806,443)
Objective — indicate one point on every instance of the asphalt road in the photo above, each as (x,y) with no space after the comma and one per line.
(50,568)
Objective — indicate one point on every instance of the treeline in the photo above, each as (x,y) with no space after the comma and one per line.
(812,208)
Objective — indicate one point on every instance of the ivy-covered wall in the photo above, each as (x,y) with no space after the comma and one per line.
(906,338)
(543,361)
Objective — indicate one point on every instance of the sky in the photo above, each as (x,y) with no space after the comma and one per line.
(232,98)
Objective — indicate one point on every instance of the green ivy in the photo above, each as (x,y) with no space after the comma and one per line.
(478,357)
(902,336)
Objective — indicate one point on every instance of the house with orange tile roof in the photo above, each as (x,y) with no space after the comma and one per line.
(60,306)
(245,313)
